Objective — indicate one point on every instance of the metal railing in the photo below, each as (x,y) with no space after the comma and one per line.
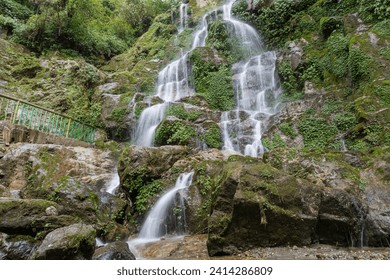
(20,112)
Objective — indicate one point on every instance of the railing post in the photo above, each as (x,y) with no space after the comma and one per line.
(67,129)
(15,112)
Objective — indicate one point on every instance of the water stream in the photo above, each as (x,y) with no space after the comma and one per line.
(167,216)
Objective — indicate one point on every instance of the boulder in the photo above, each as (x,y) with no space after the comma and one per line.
(29,217)
(17,247)
(73,242)
(118,250)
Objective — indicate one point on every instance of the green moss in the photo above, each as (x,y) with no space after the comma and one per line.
(174,132)
(330,24)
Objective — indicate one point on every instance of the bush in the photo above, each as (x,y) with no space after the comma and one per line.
(316,132)
(13,9)
(345,121)
(174,133)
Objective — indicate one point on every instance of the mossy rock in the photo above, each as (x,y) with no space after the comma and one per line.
(74,242)
(330,24)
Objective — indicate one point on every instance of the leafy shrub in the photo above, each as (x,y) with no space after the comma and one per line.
(316,132)
(212,136)
(360,65)
(345,121)
(174,133)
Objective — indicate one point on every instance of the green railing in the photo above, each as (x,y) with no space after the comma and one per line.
(21,112)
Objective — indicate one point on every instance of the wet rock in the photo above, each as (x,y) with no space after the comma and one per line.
(73,242)
(118,250)
(16,247)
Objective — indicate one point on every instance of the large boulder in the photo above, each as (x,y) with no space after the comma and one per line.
(30,216)
(73,242)
(118,250)
(257,205)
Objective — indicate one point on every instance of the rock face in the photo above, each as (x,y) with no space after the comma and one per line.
(29,217)
(114,251)
(46,187)
(73,242)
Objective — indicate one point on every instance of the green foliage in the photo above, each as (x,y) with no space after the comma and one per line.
(337,58)
(360,65)
(275,142)
(373,10)
(272,21)
(331,107)
(13,9)
(345,121)
(382,28)
(218,90)
(181,113)
(118,114)
(383,92)
(174,133)
(213,137)
(145,194)
(287,129)
(212,79)
(94,28)
(316,132)
(292,88)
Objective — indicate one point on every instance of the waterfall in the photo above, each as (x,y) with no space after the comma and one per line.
(183,10)
(114,183)
(167,216)
(164,212)
(256,89)
(254,81)
(172,85)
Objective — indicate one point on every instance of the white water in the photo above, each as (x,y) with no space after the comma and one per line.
(256,90)
(183,17)
(172,85)
(114,183)
(167,216)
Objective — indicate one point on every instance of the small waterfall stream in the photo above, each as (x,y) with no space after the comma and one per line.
(167,216)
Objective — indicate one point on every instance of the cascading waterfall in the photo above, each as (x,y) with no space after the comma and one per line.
(183,17)
(256,88)
(167,216)
(172,85)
